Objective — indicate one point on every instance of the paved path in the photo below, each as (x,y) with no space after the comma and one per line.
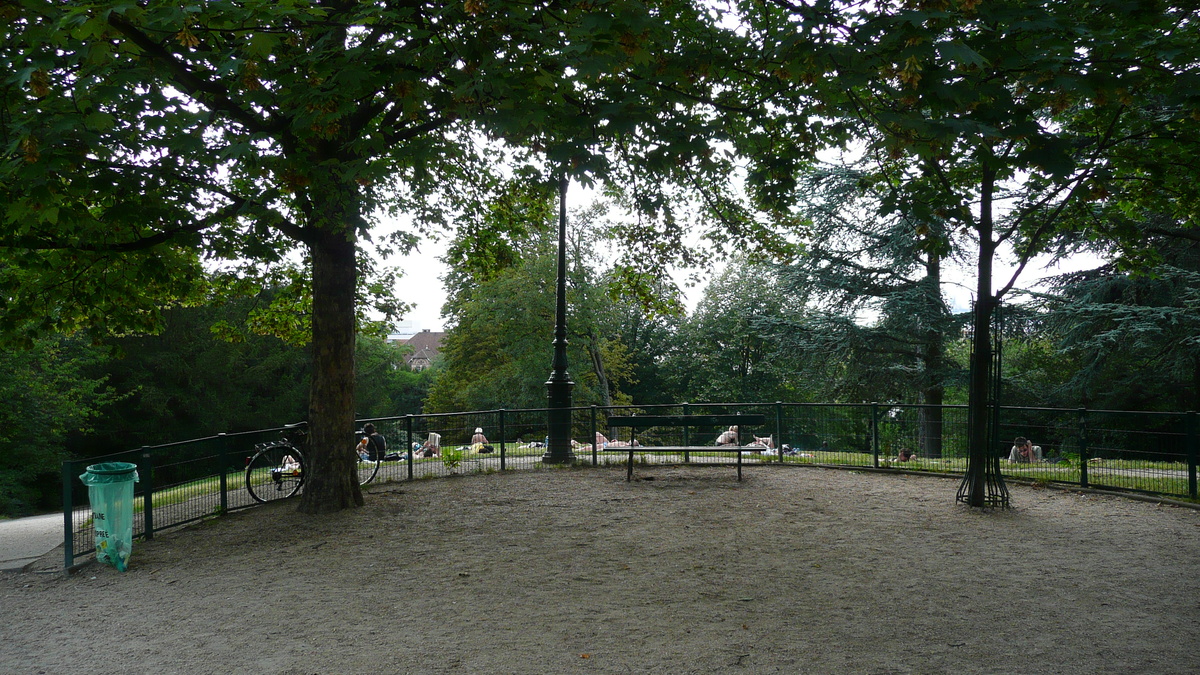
(24,540)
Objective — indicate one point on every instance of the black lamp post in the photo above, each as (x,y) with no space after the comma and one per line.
(558,387)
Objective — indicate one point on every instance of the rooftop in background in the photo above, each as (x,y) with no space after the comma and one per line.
(426,345)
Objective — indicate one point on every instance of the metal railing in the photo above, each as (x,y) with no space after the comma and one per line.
(1145,452)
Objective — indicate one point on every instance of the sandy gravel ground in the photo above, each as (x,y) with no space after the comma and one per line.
(685,570)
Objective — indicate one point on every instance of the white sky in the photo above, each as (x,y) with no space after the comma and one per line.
(422,284)
(959,284)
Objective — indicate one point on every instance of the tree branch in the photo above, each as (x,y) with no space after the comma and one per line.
(409,133)
(142,243)
(193,84)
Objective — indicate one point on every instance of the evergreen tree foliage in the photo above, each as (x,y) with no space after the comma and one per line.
(648,335)
(724,351)
(1133,337)
(999,118)
(872,278)
(195,379)
(47,394)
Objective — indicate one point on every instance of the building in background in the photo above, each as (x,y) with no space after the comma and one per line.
(425,347)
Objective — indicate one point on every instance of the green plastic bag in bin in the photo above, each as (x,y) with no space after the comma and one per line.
(110,491)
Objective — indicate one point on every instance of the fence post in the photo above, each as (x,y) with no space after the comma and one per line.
(68,501)
(779,430)
(147,478)
(875,433)
(502,438)
(1192,432)
(1083,448)
(223,462)
(595,453)
(411,452)
(686,437)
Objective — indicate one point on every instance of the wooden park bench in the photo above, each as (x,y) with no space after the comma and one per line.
(636,422)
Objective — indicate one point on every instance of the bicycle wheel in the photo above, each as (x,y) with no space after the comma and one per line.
(367,469)
(276,471)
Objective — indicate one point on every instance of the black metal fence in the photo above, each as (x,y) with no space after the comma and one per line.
(1146,452)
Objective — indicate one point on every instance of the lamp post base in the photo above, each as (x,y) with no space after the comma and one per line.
(558,449)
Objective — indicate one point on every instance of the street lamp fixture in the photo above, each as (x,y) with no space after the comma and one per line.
(558,387)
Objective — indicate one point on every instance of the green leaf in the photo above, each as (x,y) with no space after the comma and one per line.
(99,121)
(261,45)
(960,54)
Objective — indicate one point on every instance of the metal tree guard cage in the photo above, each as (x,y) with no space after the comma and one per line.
(995,491)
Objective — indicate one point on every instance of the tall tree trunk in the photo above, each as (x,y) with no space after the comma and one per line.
(981,356)
(598,367)
(934,360)
(1195,402)
(931,421)
(330,482)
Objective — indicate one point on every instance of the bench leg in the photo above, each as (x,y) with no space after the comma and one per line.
(629,473)
(739,465)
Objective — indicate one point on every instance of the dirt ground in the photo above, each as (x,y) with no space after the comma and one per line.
(684,570)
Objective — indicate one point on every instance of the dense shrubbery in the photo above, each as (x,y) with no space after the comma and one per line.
(68,398)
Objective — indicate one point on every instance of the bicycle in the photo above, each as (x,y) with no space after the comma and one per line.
(276,470)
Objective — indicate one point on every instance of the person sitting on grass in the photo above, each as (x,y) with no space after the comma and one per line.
(373,446)
(289,466)
(905,455)
(602,442)
(479,442)
(728,437)
(432,446)
(1024,451)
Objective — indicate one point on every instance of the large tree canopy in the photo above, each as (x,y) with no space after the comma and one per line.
(725,352)
(876,286)
(144,140)
(146,143)
(1008,120)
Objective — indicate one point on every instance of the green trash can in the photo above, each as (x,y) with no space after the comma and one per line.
(110,491)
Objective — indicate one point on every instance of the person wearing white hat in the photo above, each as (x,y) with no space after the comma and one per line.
(479,441)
